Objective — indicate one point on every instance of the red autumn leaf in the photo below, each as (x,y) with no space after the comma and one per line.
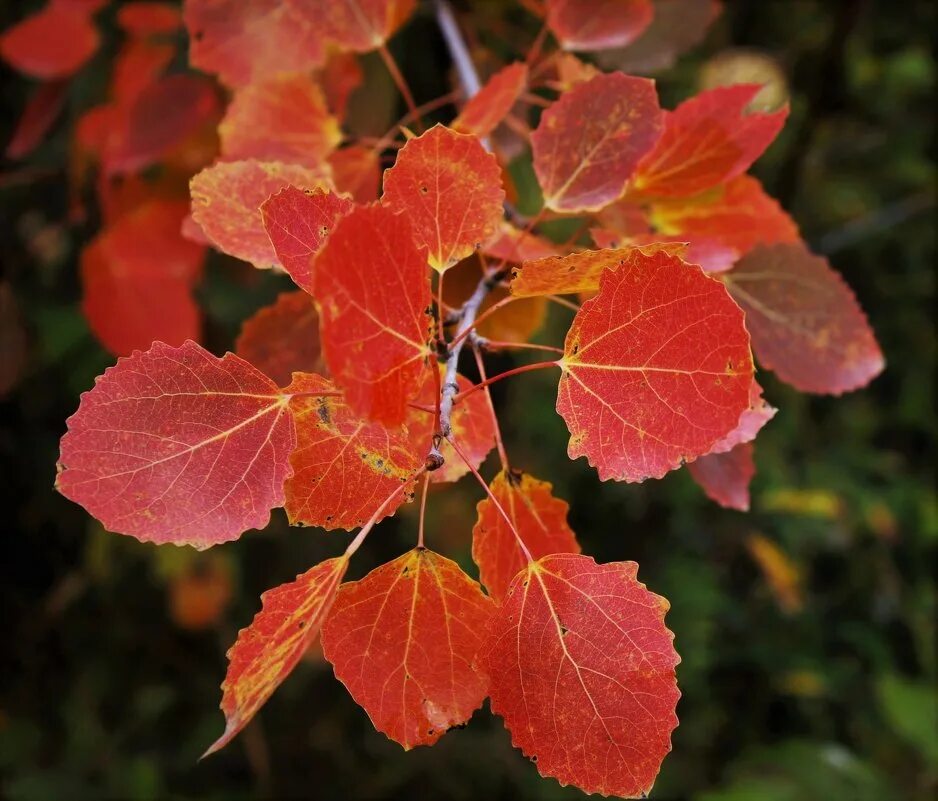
(356,172)
(805,322)
(493,102)
(598,24)
(589,142)
(137,278)
(724,224)
(283,338)
(266,652)
(707,140)
(227,199)
(450,189)
(571,71)
(514,245)
(359,25)
(403,640)
(55,42)
(677,26)
(280,118)
(725,477)
(579,272)
(582,670)
(751,422)
(540,519)
(137,66)
(344,468)
(471,421)
(160,118)
(297,223)
(373,292)
(243,42)
(42,110)
(176,445)
(143,19)
(656,369)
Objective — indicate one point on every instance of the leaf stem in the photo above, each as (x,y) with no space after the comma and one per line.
(355,544)
(499,442)
(493,499)
(423,509)
(400,82)
(491,344)
(525,368)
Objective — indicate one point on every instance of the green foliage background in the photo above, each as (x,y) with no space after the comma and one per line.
(102,696)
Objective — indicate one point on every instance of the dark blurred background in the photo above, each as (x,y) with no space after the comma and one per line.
(806,627)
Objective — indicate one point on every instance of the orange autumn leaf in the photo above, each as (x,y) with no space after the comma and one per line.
(227,199)
(178,446)
(298,223)
(280,118)
(539,518)
(579,272)
(373,291)
(283,338)
(485,110)
(805,322)
(243,42)
(344,468)
(598,24)
(725,476)
(403,640)
(582,670)
(53,43)
(137,279)
(707,140)
(512,244)
(471,422)
(656,369)
(724,224)
(199,594)
(266,652)
(356,172)
(515,322)
(589,142)
(781,572)
(449,187)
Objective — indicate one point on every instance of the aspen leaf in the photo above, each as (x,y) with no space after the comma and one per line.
(55,42)
(227,200)
(175,445)
(283,338)
(344,467)
(143,19)
(539,517)
(589,142)
(137,279)
(598,24)
(511,244)
(359,25)
(656,369)
(356,172)
(449,187)
(706,141)
(582,669)
(137,67)
(485,110)
(242,42)
(725,476)
(279,118)
(805,322)
(37,118)
(403,641)
(266,652)
(339,78)
(298,223)
(373,291)
(579,272)
(750,423)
